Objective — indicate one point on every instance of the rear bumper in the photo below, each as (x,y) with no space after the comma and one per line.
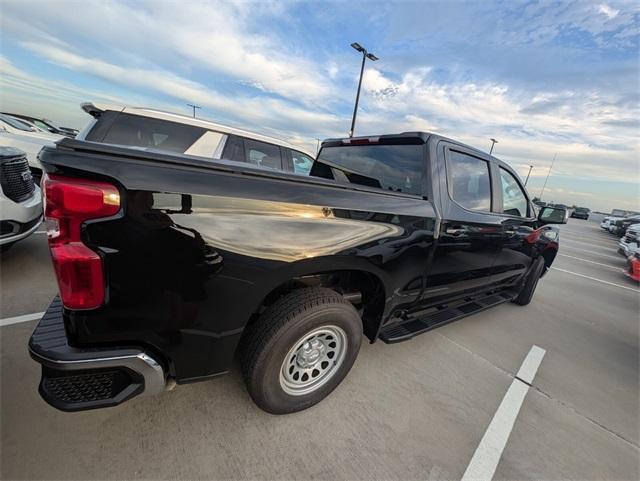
(77,379)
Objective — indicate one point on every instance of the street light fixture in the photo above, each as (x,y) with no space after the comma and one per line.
(365,55)
(493,142)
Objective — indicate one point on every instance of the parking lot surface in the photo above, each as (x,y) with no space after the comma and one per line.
(414,410)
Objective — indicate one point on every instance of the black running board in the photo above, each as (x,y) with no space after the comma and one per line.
(415,324)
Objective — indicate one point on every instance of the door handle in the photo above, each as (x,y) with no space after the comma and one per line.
(454,231)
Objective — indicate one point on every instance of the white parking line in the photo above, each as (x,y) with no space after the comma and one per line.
(592,244)
(485,460)
(597,280)
(591,252)
(591,262)
(14,320)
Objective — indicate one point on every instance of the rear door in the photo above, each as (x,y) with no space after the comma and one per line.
(470,236)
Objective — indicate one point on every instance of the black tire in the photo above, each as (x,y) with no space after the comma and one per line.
(530,284)
(282,327)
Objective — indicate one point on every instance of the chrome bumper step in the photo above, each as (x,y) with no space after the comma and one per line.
(76,379)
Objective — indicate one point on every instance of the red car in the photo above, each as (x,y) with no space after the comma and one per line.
(633,268)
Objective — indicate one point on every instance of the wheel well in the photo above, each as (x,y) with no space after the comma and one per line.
(363,289)
(548,255)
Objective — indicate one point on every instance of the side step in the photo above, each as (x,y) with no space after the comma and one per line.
(424,321)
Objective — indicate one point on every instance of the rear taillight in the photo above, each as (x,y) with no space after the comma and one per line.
(68,203)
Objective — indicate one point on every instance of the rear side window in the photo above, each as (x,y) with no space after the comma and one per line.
(514,202)
(148,133)
(470,184)
(262,154)
(253,152)
(396,168)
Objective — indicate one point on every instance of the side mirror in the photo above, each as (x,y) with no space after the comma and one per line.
(552,215)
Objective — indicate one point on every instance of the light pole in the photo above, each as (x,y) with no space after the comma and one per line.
(194,109)
(317,145)
(365,55)
(493,142)
(548,174)
(527,179)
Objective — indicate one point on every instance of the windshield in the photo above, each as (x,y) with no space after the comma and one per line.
(582,210)
(391,167)
(17,124)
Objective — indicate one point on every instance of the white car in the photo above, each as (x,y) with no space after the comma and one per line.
(30,139)
(20,198)
(150,129)
(630,243)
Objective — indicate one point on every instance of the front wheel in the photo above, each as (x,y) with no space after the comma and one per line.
(300,349)
(531,282)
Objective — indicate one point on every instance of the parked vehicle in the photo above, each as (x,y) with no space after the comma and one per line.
(630,243)
(608,220)
(168,264)
(19,134)
(20,198)
(47,125)
(620,226)
(158,131)
(581,213)
(633,267)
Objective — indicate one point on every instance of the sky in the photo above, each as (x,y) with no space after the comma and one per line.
(544,78)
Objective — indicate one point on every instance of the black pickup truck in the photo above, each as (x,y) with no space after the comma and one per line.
(170,265)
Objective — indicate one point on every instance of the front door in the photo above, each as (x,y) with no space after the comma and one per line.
(517,219)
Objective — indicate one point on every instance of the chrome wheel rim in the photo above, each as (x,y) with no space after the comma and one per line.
(313,360)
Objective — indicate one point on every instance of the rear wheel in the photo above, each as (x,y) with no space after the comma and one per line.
(300,349)
(530,284)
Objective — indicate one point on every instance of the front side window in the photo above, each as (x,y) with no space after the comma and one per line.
(514,202)
(301,163)
(470,183)
(397,168)
(42,125)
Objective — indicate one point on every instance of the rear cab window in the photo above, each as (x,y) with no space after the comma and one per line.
(388,166)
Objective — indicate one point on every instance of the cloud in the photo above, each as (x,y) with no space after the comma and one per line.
(608,11)
(219,38)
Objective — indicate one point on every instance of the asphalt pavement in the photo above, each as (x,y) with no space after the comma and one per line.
(413,410)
